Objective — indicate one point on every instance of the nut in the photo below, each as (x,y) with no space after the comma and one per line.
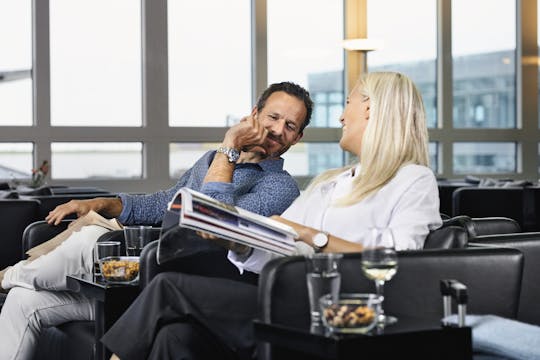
(348,315)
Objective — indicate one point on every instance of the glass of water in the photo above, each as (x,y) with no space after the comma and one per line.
(379,263)
(322,278)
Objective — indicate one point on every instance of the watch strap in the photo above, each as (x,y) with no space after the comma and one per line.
(232,153)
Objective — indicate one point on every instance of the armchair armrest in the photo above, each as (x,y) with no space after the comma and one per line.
(40,231)
(208,260)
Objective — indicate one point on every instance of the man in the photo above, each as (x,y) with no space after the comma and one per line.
(246,170)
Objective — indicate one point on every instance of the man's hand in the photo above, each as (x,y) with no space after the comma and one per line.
(247,134)
(227,244)
(111,206)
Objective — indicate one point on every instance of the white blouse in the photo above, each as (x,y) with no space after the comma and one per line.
(408,204)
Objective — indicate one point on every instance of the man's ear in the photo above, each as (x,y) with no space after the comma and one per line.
(254,111)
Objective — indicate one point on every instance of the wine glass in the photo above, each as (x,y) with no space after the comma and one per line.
(379,263)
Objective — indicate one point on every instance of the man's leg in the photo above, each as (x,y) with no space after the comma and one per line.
(73,257)
(222,306)
(26,312)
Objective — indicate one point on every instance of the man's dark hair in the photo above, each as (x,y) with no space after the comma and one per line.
(294,90)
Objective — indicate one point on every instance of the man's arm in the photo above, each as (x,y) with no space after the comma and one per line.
(247,133)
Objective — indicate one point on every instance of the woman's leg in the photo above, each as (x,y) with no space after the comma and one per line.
(222,306)
(188,341)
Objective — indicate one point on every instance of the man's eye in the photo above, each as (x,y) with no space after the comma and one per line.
(291,127)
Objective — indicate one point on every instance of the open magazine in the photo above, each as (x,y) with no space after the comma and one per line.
(203,213)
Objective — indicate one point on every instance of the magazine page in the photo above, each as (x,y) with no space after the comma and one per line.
(194,211)
(248,220)
(177,242)
(200,212)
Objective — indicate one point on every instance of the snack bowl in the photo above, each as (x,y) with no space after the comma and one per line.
(350,313)
(120,269)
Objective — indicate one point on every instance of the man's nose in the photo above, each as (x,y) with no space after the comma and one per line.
(276,128)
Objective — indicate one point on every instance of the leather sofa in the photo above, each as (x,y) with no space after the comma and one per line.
(492,275)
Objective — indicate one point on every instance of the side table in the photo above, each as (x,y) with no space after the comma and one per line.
(110,301)
(409,338)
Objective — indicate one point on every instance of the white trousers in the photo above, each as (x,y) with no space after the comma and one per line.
(38,299)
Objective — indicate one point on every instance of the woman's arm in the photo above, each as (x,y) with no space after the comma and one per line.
(306,234)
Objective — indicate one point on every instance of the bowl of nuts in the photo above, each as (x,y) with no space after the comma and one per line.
(350,313)
(120,269)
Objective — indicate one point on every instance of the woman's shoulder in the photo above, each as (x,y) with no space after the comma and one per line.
(415,172)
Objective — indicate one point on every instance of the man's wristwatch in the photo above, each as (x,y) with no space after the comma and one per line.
(320,240)
(231,153)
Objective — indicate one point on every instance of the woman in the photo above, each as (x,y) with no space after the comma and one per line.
(185,316)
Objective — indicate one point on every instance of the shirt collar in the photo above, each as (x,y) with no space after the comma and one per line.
(272,164)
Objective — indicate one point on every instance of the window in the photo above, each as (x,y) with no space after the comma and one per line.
(15,160)
(209,62)
(484,61)
(96,160)
(434,156)
(309,52)
(182,156)
(410,44)
(200,72)
(311,159)
(95,62)
(15,63)
(484,158)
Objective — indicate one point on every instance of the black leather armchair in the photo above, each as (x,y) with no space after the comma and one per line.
(15,215)
(529,245)
(492,275)
(518,203)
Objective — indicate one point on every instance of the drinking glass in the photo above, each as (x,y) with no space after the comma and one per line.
(137,237)
(102,250)
(379,263)
(322,278)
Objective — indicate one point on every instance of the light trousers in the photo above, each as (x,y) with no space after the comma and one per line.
(38,296)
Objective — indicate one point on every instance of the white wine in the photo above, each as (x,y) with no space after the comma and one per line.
(379,271)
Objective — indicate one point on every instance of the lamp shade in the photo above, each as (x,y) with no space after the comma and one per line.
(362,44)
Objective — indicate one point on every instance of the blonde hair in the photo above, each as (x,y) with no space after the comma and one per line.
(396,134)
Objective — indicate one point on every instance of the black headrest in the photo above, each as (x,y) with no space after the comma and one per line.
(485,225)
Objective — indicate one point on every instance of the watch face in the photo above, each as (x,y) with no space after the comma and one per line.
(320,240)
(233,155)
